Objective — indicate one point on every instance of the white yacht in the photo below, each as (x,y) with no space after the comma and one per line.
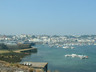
(75,55)
(65,47)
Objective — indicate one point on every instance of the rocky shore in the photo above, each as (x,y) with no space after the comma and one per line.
(5,67)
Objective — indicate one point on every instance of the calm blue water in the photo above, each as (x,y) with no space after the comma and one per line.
(57,61)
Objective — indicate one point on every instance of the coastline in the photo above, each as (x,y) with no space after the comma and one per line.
(14,56)
(26,50)
(9,60)
(12,67)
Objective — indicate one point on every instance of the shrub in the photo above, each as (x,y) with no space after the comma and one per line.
(31,70)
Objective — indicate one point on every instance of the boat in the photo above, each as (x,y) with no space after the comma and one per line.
(65,47)
(75,55)
(72,47)
(83,56)
(67,55)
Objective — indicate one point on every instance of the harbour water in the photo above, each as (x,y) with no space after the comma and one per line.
(57,61)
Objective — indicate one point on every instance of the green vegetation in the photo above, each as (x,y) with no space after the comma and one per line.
(3,47)
(12,57)
(15,53)
(15,47)
(24,46)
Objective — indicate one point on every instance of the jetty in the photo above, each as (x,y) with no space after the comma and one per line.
(37,65)
(26,50)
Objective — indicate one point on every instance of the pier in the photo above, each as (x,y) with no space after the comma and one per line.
(26,50)
(37,65)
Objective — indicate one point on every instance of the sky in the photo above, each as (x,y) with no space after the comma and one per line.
(50,17)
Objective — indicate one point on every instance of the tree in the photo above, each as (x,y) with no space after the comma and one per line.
(3,46)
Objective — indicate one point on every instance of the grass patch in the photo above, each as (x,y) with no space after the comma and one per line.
(4,51)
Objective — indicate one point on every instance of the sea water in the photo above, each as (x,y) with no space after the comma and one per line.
(57,61)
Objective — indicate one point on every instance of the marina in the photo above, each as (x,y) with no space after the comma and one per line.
(57,61)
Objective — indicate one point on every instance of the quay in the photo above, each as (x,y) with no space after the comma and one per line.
(26,50)
(37,65)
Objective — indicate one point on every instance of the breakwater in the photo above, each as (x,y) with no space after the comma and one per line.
(32,50)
